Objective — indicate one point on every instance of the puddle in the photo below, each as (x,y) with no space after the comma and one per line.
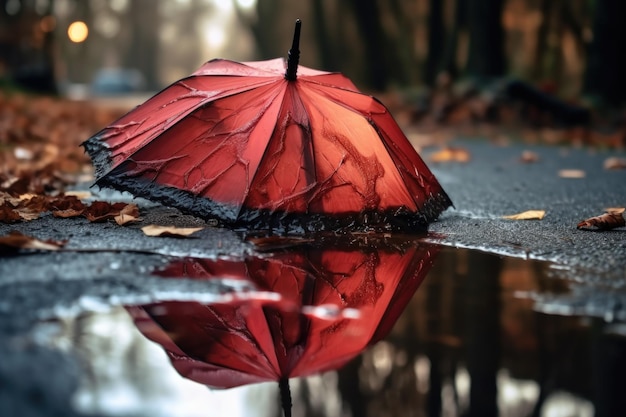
(413,331)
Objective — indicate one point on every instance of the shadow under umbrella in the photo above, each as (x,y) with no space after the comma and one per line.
(314,310)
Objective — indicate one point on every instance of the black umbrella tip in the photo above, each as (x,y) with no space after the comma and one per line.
(285,396)
(293,56)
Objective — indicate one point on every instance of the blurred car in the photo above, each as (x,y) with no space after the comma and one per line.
(112,81)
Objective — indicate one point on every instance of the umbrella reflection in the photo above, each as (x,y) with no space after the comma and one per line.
(328,306)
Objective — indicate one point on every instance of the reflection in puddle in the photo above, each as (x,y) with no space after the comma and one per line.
(332,304)
(466,343)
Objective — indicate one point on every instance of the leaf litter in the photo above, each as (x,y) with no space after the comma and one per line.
(15,241)
(611,219)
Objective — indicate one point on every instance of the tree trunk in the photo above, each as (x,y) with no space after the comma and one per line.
(324,44)
(143,52)
(486,49)
(449,61)
(25,52)
(435,41)
(367,15)
(482,333)
(607,62)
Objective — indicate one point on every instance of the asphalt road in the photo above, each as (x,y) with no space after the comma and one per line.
(111,264)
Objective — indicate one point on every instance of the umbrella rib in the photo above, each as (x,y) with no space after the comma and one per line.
(265,154)
(323,189)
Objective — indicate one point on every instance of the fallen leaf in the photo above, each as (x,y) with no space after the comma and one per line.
(169,231)
(614,163)
(16,240)
(8,215)
(23,207)
(67,206)
(100,211)
(81,195)
(618,210)
(129,214)
(529,157)
(612,219)
(527,215)
(572,173)
(451,154)
(67,214)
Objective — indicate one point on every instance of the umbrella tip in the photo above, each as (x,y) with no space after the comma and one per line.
(293,56)
(285,396)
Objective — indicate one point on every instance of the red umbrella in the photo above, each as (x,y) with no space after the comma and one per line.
(331,305)
(254,144)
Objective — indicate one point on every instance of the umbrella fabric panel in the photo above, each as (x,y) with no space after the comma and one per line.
(355,171)
(140,126)
(285,176)
(210,334)
(149,321)
(213,154)
(415,174)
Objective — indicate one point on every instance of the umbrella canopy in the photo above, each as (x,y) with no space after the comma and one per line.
(332,304)
(254,144)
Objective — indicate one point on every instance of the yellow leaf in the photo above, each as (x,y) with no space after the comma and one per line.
(171,231)
(572,173)
(527,215)
(81,195)
(451,154)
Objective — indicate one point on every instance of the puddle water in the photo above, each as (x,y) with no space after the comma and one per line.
(413,331)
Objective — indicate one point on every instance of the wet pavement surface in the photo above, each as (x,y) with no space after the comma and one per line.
(564,292)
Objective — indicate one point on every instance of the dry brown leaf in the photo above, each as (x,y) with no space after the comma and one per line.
(81,195)
(129,214)
(451,154)
(572,173)
(614,163)
(29,207)
(618,210)
(100,211)
(529,157)
(607,221)
(16,240)
(154,230)
(68,213)
(527,215)
(8,215)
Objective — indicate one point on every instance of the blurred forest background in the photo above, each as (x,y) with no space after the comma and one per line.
(560,56)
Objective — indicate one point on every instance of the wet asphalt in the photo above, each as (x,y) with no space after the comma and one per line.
(104,264)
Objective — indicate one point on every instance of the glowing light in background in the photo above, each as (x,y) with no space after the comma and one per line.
(77,31)
(223,6)
(215,37)
(246,4)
